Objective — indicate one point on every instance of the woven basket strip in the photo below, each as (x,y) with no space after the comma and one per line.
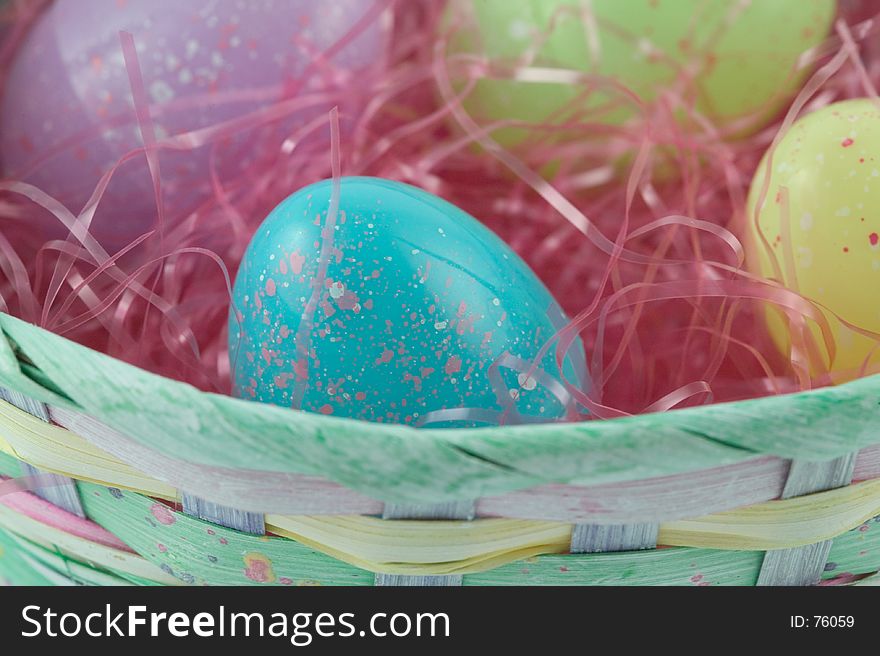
(761,526)
(598,538)
(855,552)
(228,516)
(462,510)
(63,491)
(720,488)
(591,478)
(689,528)
(804,565)
(400,464)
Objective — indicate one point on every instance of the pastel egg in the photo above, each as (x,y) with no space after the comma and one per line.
(820,224)
(740,59)
(397,307)
(67,112)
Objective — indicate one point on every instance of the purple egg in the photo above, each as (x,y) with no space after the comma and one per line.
(67,114)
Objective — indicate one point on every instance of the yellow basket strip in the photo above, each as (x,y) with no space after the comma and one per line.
(58,450)
(779,524)
(453,547)
(447,547)
(424,547)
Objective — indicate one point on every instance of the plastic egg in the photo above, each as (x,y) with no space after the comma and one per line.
(398,308)
(740,57)
(826,169)
(66,116)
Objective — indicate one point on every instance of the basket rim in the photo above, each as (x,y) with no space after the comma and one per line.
(393,461)
(79,447)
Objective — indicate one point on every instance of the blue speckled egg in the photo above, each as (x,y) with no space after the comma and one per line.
(394,307)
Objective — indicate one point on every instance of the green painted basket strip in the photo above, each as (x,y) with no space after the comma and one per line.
(14,568)
(855,552)
(187,548)
(396,463)
(198,552)
(77,571)
(678,566)
(52,567)
(9,466)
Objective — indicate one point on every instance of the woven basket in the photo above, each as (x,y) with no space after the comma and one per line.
(780,490)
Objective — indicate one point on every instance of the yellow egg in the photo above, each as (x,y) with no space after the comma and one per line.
(826,246)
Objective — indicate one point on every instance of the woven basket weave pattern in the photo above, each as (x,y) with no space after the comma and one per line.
(348,503)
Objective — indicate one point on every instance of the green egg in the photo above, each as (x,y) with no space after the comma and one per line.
(737,63)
